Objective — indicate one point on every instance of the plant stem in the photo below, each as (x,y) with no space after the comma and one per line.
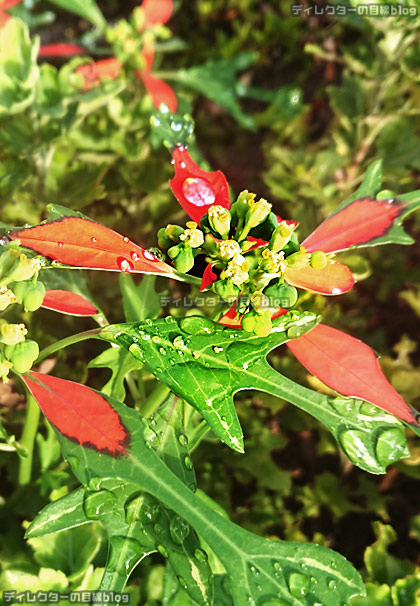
(199,433)
(155,399)
(81,336)
(28,440)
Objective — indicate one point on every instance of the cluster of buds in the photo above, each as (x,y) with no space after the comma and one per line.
(248,250)
(18,284)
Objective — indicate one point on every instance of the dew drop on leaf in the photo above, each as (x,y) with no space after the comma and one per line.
(134,255)
(271,601)
(183,440)
(125,239)
(153,254)
(97,503)
(198,191)
(188,463)
(195,325)
(124,265)
(131,549)
(179,529)
(298,584)
(390,446)
(143,508)
(344,406)
(200,555)
(93,239)
(162,550)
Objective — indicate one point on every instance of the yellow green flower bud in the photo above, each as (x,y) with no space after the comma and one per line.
(173,232)
(272,262)
(318,259)
(263,324)
(228,249)
(34,296)
(260,302)
(193,237)
(281,295)
(257,212)
(236,271)
(241,206)
(184,260)
(5,366)
(227,290)
(163,240)
(7,297)
(281,236)
(219,219)
(25,269)
(249,321)
(298,259)
(19,290)
(11,334)
(22,355)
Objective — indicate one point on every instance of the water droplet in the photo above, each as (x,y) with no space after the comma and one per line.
(182,439)
(182,582)
(179,529)
(97,503)
(201,555)
(125,239)
(195,355)
(134,255)
(188,463)
(56,263)
(298,584)
(254,571)
(336,291)
(144,508)
(198,192)
(93,239)
(156,339)
(391,446)
(368,409)
(151,437)
(195,325)
(217,349)
(271,600)
(131,549)
(124,264)
(344,406)
(332,585)
(277,566)
(179,343)
(153,254)
(162,351)
(60,244)
(354,445)
(170,320)
(136,351)
(162,550)
(95,483)
(158,528)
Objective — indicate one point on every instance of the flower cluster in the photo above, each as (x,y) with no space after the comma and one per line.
(18,284)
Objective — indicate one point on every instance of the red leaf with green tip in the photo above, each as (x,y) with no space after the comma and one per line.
(61,49)
(156,11)
(92,73)
(363,222)
(79,413)
(208,277)
(350,367)
(159,90)
(196,189)
(68,302)
(83,243)
(334,279)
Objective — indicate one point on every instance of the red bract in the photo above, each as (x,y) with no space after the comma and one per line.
(208,277)
(349,367)
(334,279)
(67,302)
(61,49)
(196,189)
(92,73)
(80,414)
(358,223)
(84,243)
(156,11)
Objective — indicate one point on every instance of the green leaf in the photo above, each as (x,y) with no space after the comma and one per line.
(120,362)
(18,67)
(88,9)
(206,364)
(140,301)
(217,80)
(294,574)
(381,565)
(9,443)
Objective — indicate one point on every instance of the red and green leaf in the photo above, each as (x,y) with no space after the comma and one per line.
(196,189)
(160,91)
(83,243)
(350,367)
(334,279)
(68,302)
(93,73)
(82,415)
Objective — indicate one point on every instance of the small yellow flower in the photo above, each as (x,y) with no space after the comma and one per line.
(228,249)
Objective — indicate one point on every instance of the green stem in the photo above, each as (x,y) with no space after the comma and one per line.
(30,429)
(81,336)
(186,278)
(155,399)
(199,433)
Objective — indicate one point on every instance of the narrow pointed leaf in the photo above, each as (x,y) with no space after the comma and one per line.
(68,302)
(160,91)
(121,363)
(256,566)
(351,368)
(196,189)
(79,413)
(88,9)
(83,243)
(334,279)
(61,49)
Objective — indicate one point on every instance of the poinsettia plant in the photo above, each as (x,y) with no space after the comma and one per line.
(136,469)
